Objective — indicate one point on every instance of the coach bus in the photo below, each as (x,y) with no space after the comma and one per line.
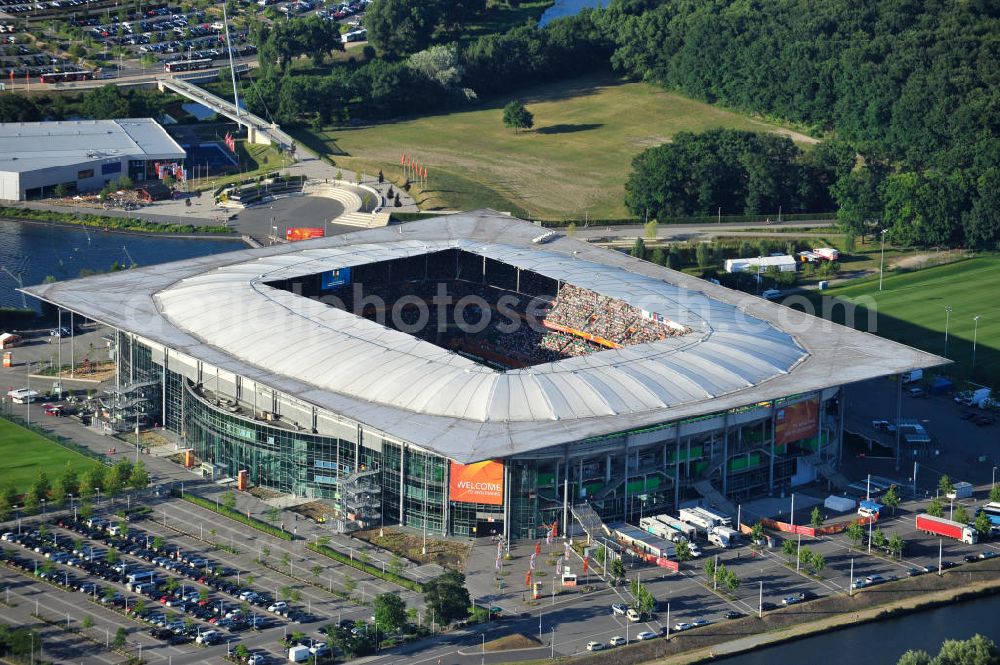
(62,77)
(187,65)
(992,511)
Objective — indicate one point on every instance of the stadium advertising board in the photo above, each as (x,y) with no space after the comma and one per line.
(481,482)
(295,233)
(579,333)
(796,421)
(337,277)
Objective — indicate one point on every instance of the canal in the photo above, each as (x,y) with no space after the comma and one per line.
(30,252)
(883,642)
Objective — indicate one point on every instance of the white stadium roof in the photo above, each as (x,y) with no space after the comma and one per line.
(742,349)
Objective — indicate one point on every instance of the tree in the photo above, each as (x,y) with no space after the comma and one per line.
(111,556)
(757,532)
(8,499)
(878,538)
(995,493)
(139,477)
(818,563)
(440,64)
(119,640)
(983,525)
(38,491)
(397,28)
(158,543)
(88,621)
(395,565)
(241,652)
(639,248)
(69,483)
(935,509)
(945,485)
(650,230)
(93,480)
(816,517)
(447,596)
(121,473)
(316,570)
(517,117)
(891,499)
(961,515)
(896,545)
(86,510)
(645,603)
(855,533)
(977,650)
(104,103)
(617,570)
(683,551)
(915,657)
(390,612)
(703,254)
(788,548)
(709,568)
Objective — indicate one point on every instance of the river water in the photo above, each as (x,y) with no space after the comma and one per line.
(569,8)
(883,642)
(34,251)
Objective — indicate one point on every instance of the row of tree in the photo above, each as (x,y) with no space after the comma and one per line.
(102,103)
(97,478)
(910,87)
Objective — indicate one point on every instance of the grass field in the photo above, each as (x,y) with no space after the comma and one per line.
(25,453)
(911,310)
(574,161)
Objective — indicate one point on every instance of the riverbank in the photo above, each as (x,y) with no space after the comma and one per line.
(113,224)
(840,622)
(801,621)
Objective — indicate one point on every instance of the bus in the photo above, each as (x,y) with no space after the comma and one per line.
(143,576)
(992,511)
(63,77)
(187,65)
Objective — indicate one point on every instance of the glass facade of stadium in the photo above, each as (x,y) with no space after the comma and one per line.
(290,446)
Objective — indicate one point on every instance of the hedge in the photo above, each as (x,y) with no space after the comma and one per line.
(236,515)
(374,571)
(637,221)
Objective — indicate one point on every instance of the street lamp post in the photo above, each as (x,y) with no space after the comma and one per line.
(975,335)
(947,321)
(881,264)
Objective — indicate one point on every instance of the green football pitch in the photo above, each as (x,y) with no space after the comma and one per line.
(25,453)
(911,308)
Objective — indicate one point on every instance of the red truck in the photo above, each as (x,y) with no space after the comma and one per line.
(948,528)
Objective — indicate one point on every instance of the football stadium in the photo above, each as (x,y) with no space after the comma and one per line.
(473,374)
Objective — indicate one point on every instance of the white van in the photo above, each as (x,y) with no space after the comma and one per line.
(23,396)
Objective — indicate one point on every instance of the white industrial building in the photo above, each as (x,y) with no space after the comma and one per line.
(784,263)
(82,155)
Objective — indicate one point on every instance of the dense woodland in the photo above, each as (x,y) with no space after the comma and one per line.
(906,96)
(913,87)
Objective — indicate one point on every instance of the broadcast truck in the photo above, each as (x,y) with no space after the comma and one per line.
(947,528)
(723,536)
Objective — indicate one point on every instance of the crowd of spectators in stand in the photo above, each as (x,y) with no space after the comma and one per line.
(529,343)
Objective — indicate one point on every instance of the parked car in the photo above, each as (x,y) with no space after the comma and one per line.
(595,646)
(646,635)
(619,608)
(617,641)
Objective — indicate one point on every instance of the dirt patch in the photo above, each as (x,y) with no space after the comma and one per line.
(445,553)
(176,458)
(515,641)
(918,261)
(263,493)
(317,511)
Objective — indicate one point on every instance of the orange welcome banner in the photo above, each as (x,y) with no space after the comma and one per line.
(481,482)
(295,233)
(579,333)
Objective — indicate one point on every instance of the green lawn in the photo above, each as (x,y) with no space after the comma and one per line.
(574,162)
(911,309)
(25,453)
